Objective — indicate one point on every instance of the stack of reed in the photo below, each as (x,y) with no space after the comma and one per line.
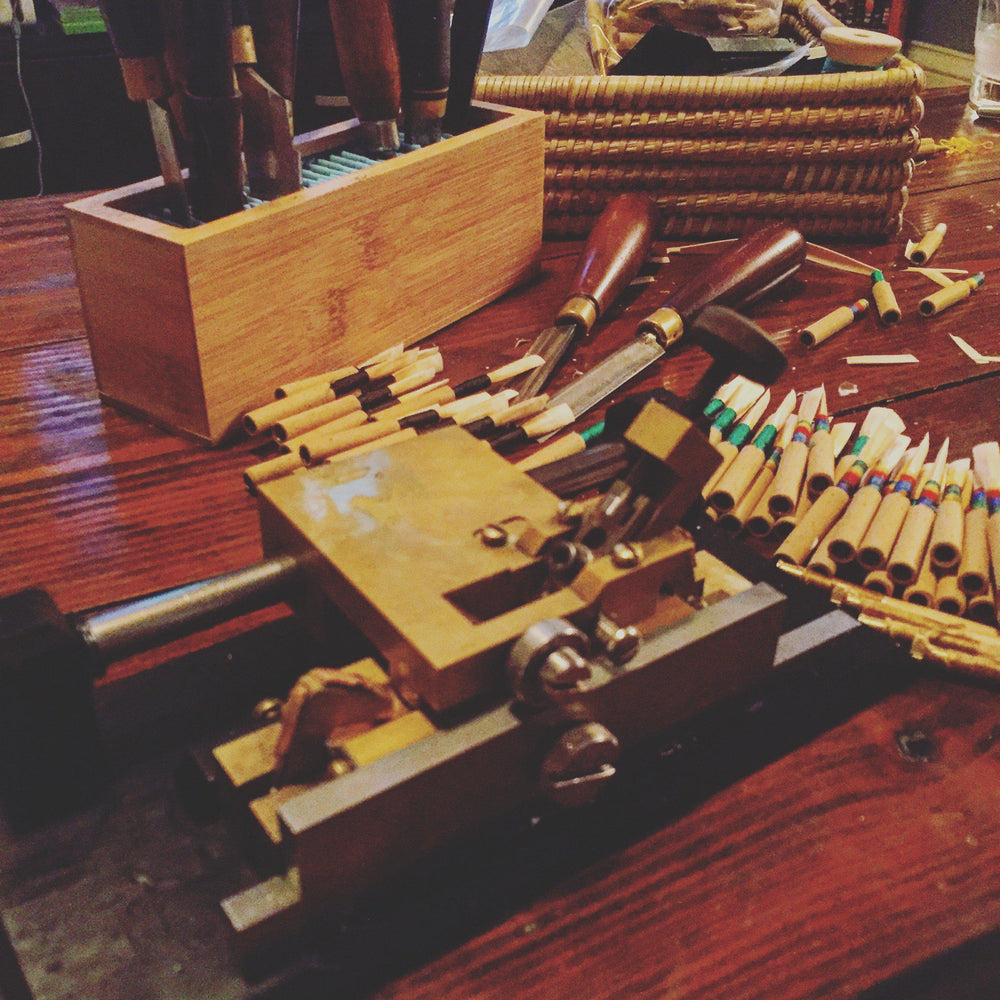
(389,398)
(882,516)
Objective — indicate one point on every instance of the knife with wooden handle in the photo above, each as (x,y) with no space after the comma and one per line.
(214,109)
(137,36)
(369,67)
(469,24)
(736,277)
(615,250)
(276,33)
(423,33)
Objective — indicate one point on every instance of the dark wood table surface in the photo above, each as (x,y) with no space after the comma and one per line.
(840,867)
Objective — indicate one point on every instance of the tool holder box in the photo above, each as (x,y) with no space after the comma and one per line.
(190,328)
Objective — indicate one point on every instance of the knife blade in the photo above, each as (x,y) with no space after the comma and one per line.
(369,66)
(273,165)
(615,250)
(738,276)
(136,34)
(423,33)
(214,109)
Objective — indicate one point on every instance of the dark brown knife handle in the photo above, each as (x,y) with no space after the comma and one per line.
(208,48)
(216,184)
(276,33)
(615,250)
(369,60)
(469,23)
(744,272)
(136,34)
(423,32)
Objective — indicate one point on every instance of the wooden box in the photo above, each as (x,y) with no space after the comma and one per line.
(192,327)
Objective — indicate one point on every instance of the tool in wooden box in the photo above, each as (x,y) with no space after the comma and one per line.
(523,642)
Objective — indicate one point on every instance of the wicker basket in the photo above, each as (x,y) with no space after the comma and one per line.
(831,154)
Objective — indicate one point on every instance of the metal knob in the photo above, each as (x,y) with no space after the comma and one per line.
(579,765)
(547,661)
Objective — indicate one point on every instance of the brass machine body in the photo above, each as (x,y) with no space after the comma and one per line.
(439,551)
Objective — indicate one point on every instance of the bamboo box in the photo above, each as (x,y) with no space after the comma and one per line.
(192,327)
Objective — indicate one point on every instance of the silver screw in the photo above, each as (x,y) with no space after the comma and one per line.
(547,660)
(620,642)
(626,555)
(579,765)
(563,670)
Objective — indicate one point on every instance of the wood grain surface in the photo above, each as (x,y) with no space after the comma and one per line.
(838,865)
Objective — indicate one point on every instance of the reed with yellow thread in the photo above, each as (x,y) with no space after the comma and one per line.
(908,552)
(878,540)
(948,534)
(830,504)
(974,569)
(833,322)
(788,480)
(846,535)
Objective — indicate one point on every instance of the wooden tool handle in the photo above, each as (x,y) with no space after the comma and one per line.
(217,165)
(469,23)
(423,31)
(369,62)
(276,33)
(208,46)
(817,18)
(743,273)
(137,36)
(616,249)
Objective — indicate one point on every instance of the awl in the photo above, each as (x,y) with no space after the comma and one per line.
(740,275)
(615,250)
(369,67)
(137,36)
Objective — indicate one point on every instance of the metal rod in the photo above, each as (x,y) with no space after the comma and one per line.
(115,632)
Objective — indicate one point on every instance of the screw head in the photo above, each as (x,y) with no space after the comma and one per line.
(267,710)
(626,555)
(579,765)
(619,642)
(493,536)
(547,661)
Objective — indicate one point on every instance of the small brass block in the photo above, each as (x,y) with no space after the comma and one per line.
(630,595)
(673,440)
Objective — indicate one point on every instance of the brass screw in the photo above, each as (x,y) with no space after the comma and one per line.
(620,642)
(493,536)
(267,710)
(625,555)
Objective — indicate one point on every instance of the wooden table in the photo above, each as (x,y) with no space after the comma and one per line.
(819,867)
